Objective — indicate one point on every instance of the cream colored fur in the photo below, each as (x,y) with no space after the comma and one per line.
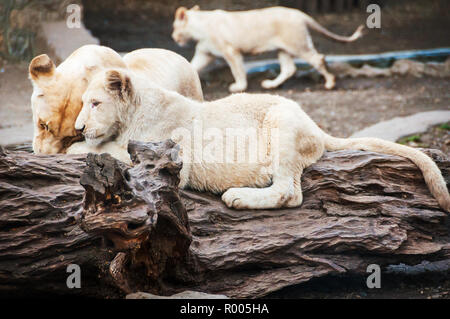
(230,35)
(56,99)
(131,108)
(166,69)
(118,152)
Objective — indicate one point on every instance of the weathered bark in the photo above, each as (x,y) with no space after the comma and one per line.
(140,211)
(40,205)
(46,224)
(131,229)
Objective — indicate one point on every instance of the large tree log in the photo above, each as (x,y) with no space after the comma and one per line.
(46,224)
(130,232)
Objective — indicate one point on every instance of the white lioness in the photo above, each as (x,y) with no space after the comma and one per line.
(230,34)
(118,103)
(56,99)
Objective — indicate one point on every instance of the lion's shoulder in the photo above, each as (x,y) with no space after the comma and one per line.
(166,69)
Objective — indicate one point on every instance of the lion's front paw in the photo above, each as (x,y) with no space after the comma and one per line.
(238,87)
(330,83)
(78,148)
(233,198)
(269,84)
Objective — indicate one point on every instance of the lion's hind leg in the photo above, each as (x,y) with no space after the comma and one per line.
(317,60)
(284,165)
(303,47)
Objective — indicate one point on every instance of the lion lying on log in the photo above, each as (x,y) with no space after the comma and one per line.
(120,106)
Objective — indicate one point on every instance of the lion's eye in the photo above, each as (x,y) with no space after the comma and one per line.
(95,104)
(44,126)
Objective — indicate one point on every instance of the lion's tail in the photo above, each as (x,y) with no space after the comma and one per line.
(430,171)
(313,24)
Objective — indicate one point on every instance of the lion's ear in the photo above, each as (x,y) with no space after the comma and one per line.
(180,14)
(41,66)
(119,83)
(196,7)
(90,70)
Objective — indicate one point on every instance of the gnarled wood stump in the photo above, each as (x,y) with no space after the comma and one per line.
(130,229)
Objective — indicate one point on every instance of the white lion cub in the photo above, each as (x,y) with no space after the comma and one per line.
(120,104)
(231,34)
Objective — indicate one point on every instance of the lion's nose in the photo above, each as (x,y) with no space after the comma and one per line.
(80,130)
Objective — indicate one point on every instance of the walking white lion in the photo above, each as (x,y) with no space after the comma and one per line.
(229,35)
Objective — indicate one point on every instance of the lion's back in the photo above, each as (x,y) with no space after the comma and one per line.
(166,69)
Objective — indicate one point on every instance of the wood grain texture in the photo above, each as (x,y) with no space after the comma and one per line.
(131,229)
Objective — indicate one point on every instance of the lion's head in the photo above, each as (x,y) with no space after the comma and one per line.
(56,99)
(182,25)
(106,105)
(55,102)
